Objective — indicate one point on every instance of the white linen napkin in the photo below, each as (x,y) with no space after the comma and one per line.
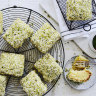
(68,35)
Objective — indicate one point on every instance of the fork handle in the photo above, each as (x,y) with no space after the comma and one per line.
(93,63)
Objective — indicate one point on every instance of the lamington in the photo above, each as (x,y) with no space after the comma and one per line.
(11,64)
(1,22)
(79,9)
(79,75)
(3,82)
(80,65)
(45,38)
(33,85)
(48,67)
(17,33)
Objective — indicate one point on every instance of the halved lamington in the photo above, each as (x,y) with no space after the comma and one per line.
(79,66)
(17,33)
(3,82)
(79,9)
(79,75)
(1,22)
(45,38)
(48,67)
(12,64)
(33,85)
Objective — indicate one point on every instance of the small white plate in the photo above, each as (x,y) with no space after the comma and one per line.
(85,85)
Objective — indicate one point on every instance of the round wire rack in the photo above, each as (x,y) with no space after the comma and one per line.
(35,20)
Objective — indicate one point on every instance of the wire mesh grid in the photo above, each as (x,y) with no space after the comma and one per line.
(79,23)
(35,20)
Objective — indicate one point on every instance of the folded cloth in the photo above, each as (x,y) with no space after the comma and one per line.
(65,33)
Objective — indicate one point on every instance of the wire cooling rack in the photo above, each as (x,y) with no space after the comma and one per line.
(76,24)
(35,20)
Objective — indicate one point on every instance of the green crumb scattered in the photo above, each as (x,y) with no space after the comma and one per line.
(41,16)
(48,16)
(45,12)
(66,70)
(31,24)
(59,55)
(88,67)
(57,61)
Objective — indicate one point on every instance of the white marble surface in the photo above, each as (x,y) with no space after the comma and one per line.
(61,88)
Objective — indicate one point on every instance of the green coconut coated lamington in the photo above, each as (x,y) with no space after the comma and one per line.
(45,37)
(3,82)
(17,33)
(12,64)
(1,22)
(33,85)
(79,9)
(48,67)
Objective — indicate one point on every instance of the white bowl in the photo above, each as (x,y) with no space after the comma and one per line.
(91,43)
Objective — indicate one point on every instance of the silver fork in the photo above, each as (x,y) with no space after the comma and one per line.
(83,63)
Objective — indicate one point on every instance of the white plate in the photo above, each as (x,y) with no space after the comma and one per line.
(84,85)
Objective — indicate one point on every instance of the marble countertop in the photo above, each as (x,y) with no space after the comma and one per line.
(71,49)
